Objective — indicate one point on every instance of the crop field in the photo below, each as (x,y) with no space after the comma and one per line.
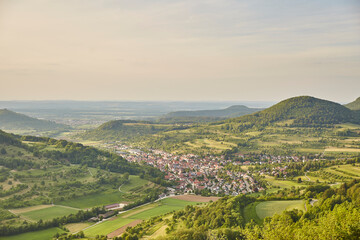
(142,213)
(37,235)
(269,208)
(49,213)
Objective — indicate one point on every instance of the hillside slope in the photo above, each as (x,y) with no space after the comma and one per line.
(124,130)
(355,105)
(303,111)
(294,125)
(15,121)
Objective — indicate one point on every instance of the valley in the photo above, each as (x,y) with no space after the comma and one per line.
(133,179)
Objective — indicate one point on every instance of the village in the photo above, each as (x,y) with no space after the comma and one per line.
(195,174)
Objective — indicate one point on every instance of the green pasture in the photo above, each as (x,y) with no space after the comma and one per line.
(110,196)
(49,213)
(269,208)
(107,227)
(142,213)
(94,200)
(135,183)
(37,235)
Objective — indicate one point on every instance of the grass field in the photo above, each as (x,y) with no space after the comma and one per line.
(29,209)
(37,235)
(269,208)
(107,227)
(283,183)
(145,212)
(49,213)
(93,200)
(250,213)
(136,184)
(76,227)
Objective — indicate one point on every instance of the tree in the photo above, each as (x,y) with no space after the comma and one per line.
(3,151)
(299,180)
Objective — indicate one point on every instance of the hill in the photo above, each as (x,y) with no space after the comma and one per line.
(48,179)
(207,115)
(124,130)
(10,120)
(355,105)
(296,125)
(303,111)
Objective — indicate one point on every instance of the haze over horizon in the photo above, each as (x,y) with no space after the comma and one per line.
(179,50)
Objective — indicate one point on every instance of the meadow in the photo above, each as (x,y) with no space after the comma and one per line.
(142,213)
(49,213)
(269,208)
(38,235)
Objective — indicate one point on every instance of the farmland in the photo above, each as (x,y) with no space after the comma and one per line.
(142,213)
(49,213)
(38,235)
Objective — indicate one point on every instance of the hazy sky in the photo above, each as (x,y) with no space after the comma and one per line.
(179,49)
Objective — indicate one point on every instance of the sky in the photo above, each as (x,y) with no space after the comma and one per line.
(188,50)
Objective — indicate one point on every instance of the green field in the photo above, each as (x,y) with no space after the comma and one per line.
(269,208)
(49,213)
(165,206)
(283,183)
(107,227)
(37,235)
(145,212)
(136,185)
(93,200)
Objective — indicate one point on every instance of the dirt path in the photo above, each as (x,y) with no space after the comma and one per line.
(67,207)
(121,230)
(120,188)
(195,198)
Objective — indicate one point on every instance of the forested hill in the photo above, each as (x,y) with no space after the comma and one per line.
(13,121)
(355,105)
(302,111)
(62,152)
(233,111)
(124,130)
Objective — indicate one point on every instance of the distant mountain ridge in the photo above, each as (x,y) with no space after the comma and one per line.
(232,111)
(16,121)
(355,105)
(208,115)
